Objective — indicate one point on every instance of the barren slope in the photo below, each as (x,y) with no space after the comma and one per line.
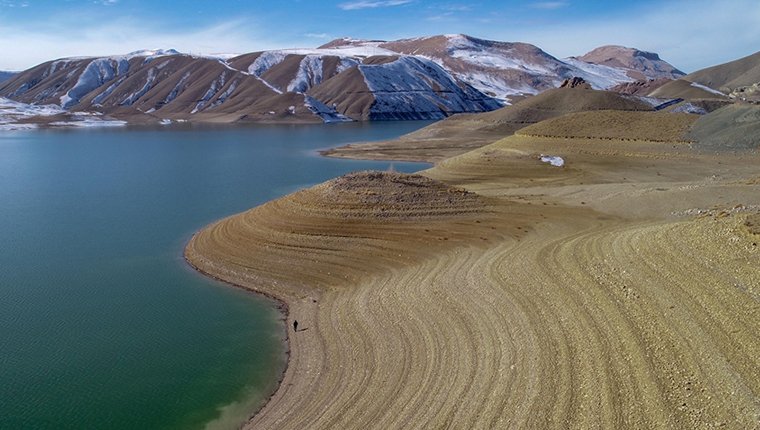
(731,128)
(618,291)
(684,89)
(461,133)
(729,76)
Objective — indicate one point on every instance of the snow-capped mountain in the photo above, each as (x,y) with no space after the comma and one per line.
(424,78)
(504,69)
(636,64)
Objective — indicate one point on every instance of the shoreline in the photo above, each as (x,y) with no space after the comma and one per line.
(281,306)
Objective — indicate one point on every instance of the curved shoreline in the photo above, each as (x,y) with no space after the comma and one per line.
(281,307)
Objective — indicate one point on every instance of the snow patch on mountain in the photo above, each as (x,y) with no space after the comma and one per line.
(495,86)
(90,122)
(706,88)
(266,61)
(151,53)
(412,87)
(12,111)
(102,96)
(599,76)
(214,88)
(178,88)
(462,48)
(347,63)
(226,94)
(363,50)
(309,74)
(98,72)
(325,112)
(152,72)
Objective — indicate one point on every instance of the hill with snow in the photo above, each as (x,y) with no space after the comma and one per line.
(346,79)
(504,70)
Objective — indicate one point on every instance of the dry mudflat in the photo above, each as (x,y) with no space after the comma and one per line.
(621,290)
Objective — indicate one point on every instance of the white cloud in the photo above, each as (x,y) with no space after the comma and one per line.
(14,4)
(549,5)
(24,47)
(318,36)
(372,4)
(689,34)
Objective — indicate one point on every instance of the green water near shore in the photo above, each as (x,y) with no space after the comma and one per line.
(102,324)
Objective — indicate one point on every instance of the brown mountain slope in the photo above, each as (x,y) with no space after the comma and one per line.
(729,76)
(348,93)
(637,64)
(146,88)
(739,79)
(684,89)
(461,133)
(610,124)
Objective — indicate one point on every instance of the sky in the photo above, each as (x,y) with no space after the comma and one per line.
(690,34)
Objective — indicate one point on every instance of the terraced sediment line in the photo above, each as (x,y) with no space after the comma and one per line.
(338,232)
(610,124)
(564,333)
(577,324)
(645,328)
(572,297)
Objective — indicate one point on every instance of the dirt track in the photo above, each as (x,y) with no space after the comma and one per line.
(619,291)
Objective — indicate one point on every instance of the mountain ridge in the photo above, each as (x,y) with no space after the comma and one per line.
(346,79)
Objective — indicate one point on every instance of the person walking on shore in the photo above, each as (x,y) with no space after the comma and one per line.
(295,325)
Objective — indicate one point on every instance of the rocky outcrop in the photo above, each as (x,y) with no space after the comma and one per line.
(575,82)
(640,88)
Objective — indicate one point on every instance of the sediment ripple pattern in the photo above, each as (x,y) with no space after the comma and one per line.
(579,324)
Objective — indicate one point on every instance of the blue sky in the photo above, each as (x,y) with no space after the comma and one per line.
(690,34)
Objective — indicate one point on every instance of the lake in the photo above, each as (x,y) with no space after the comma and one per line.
(102,324)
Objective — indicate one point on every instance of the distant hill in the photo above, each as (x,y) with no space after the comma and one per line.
(739,79)
(4,76)
(346,79)
(729,76)
(507,69)
(638,65)
(461,133)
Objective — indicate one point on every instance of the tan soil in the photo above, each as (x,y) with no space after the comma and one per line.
(461,133)
(733,127)
(619,291)
(651,126)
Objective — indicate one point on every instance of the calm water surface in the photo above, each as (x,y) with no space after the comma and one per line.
(102,325)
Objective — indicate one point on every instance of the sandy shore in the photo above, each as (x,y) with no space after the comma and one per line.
(498,291)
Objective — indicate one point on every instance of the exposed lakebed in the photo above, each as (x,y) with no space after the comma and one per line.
(102,325)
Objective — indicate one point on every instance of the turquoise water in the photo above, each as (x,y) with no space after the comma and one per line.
(102,324)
